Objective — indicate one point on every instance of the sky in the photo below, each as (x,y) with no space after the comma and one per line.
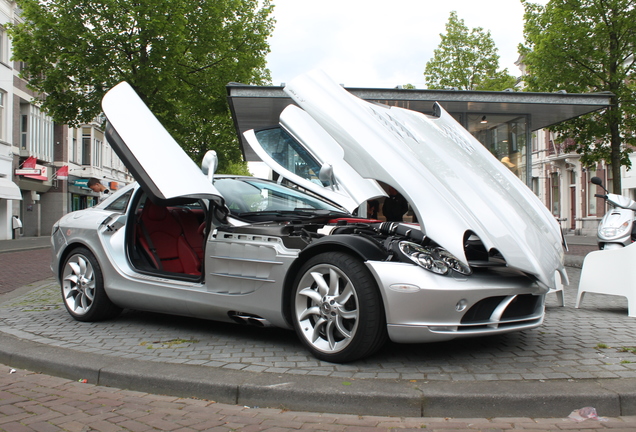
(381,43)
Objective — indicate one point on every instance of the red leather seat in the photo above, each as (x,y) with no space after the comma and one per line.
(161,235)
(192,229)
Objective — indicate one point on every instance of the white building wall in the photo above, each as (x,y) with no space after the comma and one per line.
(7,150)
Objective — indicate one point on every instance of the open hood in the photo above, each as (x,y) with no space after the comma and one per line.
(155,159)
(456,187)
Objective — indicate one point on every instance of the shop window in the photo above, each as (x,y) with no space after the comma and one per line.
(505,137)
(75,203)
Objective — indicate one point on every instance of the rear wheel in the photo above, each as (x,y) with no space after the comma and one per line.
(83,288)
(337,308)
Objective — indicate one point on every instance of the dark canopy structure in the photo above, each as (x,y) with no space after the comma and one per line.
(255,107)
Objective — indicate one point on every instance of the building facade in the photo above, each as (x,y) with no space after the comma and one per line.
(563,184)
(44,167)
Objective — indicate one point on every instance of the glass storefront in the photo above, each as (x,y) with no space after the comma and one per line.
(81,196)
(505,136)
(80,202)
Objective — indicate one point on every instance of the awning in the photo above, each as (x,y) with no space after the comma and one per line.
(9,190)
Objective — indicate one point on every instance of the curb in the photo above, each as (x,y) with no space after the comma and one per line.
(23,248)
(551,398)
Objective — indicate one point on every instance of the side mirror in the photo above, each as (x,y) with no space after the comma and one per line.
(597,181)
(326,175)
(209,164)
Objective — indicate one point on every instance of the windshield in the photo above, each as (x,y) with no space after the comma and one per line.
(289,154)
(252,195)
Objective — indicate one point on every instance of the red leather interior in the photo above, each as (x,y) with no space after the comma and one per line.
(161,234)
(192,228)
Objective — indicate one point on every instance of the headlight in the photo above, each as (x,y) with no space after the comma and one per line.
(434,259)
(614,231)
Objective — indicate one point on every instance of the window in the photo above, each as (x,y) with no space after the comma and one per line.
(107,156)
(73,157)
(36,132)
(86,146)
(556,198)
(120,203)
(254,195)
(24,130)
(3,99)
(289,154)
(591,190)
(97,153)
(505,137)
(4,46)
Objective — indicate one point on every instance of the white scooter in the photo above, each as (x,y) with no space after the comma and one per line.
(617,229)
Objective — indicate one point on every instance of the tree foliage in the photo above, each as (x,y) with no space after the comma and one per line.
(585,46)
(466,60)
(177,54)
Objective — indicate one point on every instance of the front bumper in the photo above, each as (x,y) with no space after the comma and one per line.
(423,307)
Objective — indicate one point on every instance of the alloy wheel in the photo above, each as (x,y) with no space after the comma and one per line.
(326,308)
(78,284)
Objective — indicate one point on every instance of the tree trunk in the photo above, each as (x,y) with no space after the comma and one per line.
(615,142)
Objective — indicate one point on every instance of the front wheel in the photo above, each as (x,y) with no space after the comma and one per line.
(83,288)
(337,308)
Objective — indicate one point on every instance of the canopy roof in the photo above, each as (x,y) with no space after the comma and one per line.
(255,107)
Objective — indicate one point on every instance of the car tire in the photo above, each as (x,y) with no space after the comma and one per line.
(83,288)
(337,308)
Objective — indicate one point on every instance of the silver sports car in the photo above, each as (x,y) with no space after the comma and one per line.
(185,241)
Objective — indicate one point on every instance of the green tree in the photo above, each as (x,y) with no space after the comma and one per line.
(585,46)
(466,60)
(177,54)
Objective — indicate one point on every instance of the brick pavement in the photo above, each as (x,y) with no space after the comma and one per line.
(580,250)
(21,268)
(37,402)
(594,342)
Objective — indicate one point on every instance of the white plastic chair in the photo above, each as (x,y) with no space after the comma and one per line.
(610,272)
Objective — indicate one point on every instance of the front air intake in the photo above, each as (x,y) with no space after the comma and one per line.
(521,307)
